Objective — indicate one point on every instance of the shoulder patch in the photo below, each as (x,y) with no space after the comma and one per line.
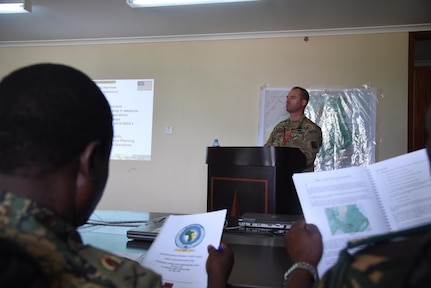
(111,262)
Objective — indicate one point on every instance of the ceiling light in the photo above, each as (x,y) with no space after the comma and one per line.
(15,7)
(155,3)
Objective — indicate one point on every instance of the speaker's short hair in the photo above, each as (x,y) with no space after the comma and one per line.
(304,93)
(48,114)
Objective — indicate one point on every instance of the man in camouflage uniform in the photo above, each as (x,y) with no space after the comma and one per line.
(55,141)
(400,259)
(58,248)
(298,131)
(396,259)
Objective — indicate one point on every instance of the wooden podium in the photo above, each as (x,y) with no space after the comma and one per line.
(253,179)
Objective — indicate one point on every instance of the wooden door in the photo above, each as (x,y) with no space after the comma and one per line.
(419,98)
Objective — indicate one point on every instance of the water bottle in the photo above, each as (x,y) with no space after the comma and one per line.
(215,143)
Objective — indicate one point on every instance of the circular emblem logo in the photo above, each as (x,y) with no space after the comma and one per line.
(190,236)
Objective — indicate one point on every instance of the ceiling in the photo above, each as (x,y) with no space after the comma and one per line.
(77,20)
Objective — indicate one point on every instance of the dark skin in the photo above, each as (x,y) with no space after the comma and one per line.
(219,265)
(73,191)
(303,243)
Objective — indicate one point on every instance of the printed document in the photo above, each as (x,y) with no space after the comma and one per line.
(358,202)
(179,252)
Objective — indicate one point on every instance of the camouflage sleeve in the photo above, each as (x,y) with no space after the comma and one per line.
(111,270)
(311,144)
(387,260)
(275,134)
(269,141)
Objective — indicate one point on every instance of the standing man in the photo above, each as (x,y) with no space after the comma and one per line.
(298,131)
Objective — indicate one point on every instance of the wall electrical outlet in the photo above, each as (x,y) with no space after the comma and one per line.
(168,130)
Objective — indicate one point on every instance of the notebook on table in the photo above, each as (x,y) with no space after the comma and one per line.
(267,221)
(147,231)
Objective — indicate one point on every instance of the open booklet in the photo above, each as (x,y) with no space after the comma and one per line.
(179,252)
(357,202)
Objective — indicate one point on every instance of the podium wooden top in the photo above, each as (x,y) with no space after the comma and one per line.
(256,156)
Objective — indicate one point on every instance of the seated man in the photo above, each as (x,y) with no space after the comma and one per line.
(17,268)
(55,141)
(401,259)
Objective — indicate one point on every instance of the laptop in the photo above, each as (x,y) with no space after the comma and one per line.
(267,221)
(148,231)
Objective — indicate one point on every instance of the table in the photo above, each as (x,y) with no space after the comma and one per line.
(260,259)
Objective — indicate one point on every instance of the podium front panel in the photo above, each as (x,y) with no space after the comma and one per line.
(245,180)
(241,190)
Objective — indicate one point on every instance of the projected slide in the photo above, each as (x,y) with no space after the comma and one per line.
(131,102)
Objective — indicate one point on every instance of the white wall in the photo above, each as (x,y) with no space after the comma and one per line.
(210,89)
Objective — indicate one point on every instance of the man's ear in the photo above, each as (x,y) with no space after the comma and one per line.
(88,157)
(87,191)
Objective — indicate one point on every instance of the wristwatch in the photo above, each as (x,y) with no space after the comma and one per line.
(302,265)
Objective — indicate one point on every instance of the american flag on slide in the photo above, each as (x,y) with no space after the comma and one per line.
(145,85)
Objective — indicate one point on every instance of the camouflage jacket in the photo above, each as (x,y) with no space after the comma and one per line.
(302,134)
(58,249)
(398,259)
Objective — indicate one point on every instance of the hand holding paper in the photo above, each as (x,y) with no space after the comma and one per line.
(180,251)
(219,265)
